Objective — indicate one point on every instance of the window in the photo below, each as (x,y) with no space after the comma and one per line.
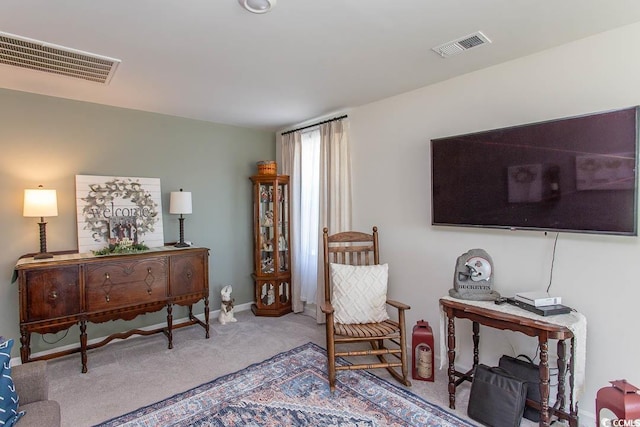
(309,214)
(317,160)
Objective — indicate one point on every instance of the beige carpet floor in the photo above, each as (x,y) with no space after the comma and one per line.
(132,373)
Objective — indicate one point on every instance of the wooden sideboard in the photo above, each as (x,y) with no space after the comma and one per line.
(68,289)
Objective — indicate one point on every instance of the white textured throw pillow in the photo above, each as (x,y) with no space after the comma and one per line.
(359,293)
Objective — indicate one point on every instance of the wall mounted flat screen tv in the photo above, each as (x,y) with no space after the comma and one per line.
(577,174)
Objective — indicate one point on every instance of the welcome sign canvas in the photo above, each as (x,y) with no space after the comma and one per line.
(110,209)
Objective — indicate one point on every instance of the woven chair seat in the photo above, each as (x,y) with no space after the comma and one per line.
(365,330)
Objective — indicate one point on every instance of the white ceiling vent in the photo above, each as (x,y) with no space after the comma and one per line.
(41,56)
(460,45)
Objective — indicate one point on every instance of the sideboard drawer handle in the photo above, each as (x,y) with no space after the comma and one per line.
(107,285)
(53,296)
(149,280)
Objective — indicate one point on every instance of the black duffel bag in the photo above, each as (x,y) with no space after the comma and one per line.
(497,398)
(527,371)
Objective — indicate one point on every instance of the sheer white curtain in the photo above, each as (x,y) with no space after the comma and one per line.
(301,161)
(319,165)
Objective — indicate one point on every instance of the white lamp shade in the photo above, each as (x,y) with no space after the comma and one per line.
(40,202)
(180,202)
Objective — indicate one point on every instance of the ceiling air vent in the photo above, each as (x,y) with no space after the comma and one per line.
(460,45)
(41,56)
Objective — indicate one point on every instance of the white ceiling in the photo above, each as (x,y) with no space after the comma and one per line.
(212,60)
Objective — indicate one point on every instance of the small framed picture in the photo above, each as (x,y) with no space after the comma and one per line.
(122,227)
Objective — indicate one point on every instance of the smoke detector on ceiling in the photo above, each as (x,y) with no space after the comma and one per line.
(455,47)
(37,55)
(258,6)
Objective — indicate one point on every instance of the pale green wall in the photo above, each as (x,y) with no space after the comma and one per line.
(48,141)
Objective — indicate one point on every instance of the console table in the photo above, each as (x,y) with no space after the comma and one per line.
(72,288)
(563,328)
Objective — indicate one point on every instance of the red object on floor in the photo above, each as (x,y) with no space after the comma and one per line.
(422,356)
(621,398)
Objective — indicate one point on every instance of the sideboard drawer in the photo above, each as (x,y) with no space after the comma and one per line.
(52,293)
(188,274)
(112,285)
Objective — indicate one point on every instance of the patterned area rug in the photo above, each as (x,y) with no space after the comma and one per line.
(291,389)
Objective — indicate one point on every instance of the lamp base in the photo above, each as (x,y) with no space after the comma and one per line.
(43,255)
(181,243)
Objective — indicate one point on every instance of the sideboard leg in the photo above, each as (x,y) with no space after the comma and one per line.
(25,348)
(206,316)
(170,325)
(83,345)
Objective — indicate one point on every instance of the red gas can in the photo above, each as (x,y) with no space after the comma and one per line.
(422,356)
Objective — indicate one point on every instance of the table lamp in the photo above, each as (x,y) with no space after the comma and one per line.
(180,203)
(41,203)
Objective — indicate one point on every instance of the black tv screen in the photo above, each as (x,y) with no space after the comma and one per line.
(576,174)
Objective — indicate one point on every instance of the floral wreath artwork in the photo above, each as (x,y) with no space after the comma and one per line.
(605,171)
(115,211)
(525,183)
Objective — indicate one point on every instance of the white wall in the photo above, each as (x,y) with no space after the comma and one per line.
(391,171)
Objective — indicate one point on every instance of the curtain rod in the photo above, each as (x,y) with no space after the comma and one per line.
(315,124)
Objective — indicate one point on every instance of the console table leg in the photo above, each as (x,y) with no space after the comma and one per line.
(83,345)
(476,342)
(573,406)
(170,325)
(451,344)
(562,367)
(544,380)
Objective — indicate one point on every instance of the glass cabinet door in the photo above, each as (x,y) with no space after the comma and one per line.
(267,227)
(283,227)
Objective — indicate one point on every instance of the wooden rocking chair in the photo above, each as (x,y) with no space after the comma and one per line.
(386,338)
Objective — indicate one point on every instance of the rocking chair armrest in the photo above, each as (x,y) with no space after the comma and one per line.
(398,305)
(326,307)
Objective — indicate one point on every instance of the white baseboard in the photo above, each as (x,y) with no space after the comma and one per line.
(213,315)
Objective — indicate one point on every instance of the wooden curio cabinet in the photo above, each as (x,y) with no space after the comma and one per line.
(271,243)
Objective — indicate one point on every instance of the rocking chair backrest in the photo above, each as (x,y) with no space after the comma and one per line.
(348,247)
